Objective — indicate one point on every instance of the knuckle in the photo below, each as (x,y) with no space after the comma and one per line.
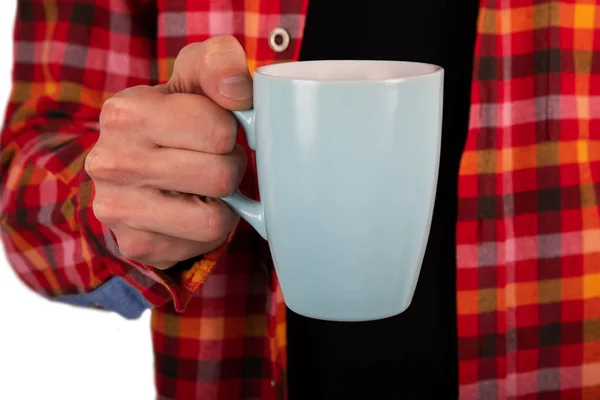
(220,128)
(188,60)
(223,136)
(99,210)
(90,162)
(220,43)
(225,54)
(109,165)
(190,49)
(105,209)
(99,163)
(225,179)
(122,110)
(217,222)
(114,113)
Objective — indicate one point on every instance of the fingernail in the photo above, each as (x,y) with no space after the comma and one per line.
(236,87)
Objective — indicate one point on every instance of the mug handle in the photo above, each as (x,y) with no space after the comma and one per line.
(250,210)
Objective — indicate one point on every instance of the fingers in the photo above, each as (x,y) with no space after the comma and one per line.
(169,169)
(187,172)
(184,217)
(181,121)
(216,68)
(177,137)
(157,250)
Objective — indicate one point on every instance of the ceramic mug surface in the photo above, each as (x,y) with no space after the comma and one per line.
(347,155)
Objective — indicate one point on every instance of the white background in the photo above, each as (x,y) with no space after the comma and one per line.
(52,351)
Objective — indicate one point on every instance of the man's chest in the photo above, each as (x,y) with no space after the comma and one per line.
(269,30)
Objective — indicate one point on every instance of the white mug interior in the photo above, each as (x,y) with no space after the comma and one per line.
(348,70)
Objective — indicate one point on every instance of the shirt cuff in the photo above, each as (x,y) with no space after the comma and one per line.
(114,295)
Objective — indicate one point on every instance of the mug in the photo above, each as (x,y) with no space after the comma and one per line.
(347,156)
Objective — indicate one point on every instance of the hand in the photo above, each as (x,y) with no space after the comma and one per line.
(167,153)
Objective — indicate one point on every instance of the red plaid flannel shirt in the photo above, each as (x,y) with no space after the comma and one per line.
(528,236)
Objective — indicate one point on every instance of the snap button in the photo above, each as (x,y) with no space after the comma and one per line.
(279,40)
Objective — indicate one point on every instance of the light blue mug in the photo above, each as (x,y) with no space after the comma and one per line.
(347,155)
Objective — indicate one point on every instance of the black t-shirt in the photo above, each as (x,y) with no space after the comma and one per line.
(413,355)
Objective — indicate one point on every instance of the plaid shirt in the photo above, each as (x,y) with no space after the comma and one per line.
(528,235)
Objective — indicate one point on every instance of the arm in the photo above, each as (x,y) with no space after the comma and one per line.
(70,56)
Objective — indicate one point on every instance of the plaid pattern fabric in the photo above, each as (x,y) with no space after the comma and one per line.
(529,225)
(529,221)
(216,338)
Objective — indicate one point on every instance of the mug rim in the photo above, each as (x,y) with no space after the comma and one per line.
(270,71)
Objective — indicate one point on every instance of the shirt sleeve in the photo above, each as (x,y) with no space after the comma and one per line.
(69,57)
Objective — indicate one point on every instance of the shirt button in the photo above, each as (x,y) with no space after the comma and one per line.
(273,383)
(279,40)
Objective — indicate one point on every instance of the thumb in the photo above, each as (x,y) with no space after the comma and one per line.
(216,68)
